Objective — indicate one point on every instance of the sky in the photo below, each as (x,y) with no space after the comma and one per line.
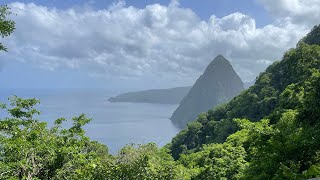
(146,44)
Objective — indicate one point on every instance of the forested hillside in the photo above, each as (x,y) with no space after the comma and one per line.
(270,131)
(275,124)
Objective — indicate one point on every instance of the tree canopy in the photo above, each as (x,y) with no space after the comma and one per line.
(6,26)
(285,98)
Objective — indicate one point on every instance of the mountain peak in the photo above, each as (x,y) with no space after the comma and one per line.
(218,63)
(220,58)
(218,84)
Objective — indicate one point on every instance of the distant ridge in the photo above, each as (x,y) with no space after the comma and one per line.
(155,96)
(218,84)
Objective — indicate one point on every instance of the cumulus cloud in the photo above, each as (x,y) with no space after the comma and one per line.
(168,42)
(298,11)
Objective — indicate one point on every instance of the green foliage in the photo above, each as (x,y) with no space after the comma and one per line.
(313,37)
(31,150)
(217,161)
(146,162)
(6,26)
(283,86)
(283,144)
(270,131)
(278,118)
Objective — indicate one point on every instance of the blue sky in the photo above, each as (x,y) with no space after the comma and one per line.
(204,9)
(138,44)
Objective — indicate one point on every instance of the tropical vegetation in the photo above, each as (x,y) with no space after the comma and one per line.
(269,131)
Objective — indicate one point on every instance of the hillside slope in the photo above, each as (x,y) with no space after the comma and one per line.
(269,131)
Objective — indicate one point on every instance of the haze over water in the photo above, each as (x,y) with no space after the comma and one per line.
(114,124)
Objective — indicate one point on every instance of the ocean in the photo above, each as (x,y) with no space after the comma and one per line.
(113,124)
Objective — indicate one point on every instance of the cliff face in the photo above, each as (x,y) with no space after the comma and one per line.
(218,84)
(155,96)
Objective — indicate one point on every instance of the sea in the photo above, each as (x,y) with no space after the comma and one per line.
(113,124)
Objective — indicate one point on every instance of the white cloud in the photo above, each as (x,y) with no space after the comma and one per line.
(298,11)
(168,42)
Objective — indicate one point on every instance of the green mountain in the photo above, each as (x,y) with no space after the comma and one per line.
(155,96)
(269,131)
(218,84)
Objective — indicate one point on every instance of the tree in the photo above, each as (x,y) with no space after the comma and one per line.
(31,150)
(6,26)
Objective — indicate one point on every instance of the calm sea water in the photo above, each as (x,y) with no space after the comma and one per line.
(114,124)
